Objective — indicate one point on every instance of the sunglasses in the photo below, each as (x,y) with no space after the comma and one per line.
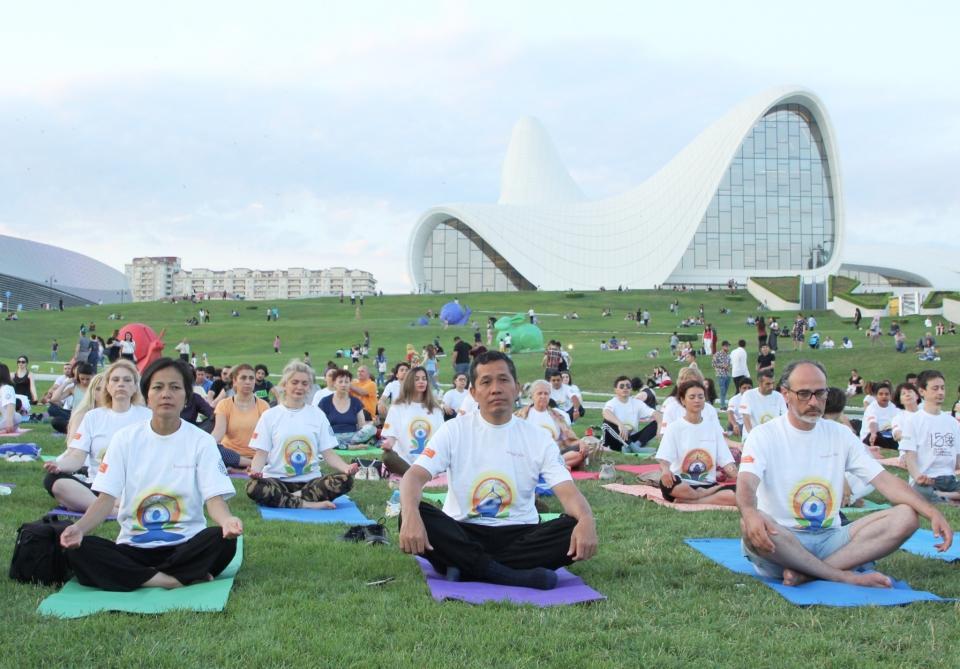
(624,385)
(21,362)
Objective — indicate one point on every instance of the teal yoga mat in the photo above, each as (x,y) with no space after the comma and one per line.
(359,453)
(867,506)
(76,601)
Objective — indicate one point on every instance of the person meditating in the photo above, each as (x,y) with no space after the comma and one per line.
(930,447)
(162,470)
(556,423)
(410,423)
(236,417)
(691,450)
(289,441)
(120,404)
(488,529)
(623,416)
(790,487)
(345,413)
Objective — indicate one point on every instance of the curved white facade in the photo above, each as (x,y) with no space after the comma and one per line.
(41,273)
(545,234)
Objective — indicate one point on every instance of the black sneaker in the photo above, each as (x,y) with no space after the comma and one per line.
(375,534)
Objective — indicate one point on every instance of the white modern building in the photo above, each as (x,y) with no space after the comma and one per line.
(758,193)
(288,284)
(151,278)
(33,274)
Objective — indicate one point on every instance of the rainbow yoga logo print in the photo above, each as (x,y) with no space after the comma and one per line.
(298,456)
(697,465)
(420,430)
(491,497)
(813,504)
(157,513)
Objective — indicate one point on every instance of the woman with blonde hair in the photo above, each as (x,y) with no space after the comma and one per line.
(556,422)
(102,413)
(410,422)
(289,441)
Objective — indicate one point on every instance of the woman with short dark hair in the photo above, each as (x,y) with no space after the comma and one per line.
(162,471)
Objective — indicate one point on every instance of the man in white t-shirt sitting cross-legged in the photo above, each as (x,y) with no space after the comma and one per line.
(790,487)
(489,528)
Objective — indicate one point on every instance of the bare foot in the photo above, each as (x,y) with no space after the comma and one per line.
(296,494)
(319,505)
(161,580)
(791,577)
(872,579)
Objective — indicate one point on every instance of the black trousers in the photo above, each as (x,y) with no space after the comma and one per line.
(471,547)
(883,442)
(612,440)
(100,563)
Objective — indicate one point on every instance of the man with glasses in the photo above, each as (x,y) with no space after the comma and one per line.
(622,419)
(790,487)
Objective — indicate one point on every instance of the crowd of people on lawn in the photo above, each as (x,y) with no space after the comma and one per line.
(784,454)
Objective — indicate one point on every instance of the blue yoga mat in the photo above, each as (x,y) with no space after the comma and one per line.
(727,553)
(921,543)
(346,512)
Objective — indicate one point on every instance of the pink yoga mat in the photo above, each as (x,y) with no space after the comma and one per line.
(570,590)
(20,430)
(637,469)
(654,495)
(892,462)
(584,476)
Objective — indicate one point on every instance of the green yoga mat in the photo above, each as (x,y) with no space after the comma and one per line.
(76,601)
(867,506)
(359,453)
(48,458)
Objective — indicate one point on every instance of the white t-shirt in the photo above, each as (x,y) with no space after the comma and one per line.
(936,441)
(391,391)
(469,405)
(761,408)
(802,471)
(574,391)
(900,420)
(882,416)
(630,413)
(734,406)
(545,420)
(412,426)
(453,398)
(98,426)
(694,451)
(673,411)
(7,396)
(319,395)
(493,470)
(563,397)
(738,362)
(162,482)
(293,440)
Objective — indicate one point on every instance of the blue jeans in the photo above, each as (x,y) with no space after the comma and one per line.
(723,384)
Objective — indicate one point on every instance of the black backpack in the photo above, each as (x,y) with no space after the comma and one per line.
(38,556)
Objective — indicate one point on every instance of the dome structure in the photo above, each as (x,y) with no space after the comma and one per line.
(34,273)
(758,193)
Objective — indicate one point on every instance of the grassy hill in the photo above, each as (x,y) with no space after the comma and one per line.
(301,596)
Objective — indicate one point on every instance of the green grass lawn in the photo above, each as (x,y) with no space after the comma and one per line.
(300,598)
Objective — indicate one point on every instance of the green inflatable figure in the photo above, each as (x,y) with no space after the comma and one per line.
(524,336)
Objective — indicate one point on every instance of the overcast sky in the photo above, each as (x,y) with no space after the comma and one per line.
(313,134)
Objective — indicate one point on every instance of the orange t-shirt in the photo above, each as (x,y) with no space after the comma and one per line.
(240,425)
(370,401)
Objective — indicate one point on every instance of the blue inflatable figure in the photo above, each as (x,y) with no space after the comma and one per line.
(524,336)
(453,313)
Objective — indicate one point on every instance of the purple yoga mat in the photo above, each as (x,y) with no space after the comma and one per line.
(239,475)
(570,590)
(60,511)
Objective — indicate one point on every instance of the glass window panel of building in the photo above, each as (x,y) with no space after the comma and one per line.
(457,260)
(779,181)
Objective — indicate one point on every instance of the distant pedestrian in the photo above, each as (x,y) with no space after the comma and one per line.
(276,344)
(54,348)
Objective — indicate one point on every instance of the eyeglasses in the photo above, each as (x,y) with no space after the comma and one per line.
(805,395)
(624,385)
